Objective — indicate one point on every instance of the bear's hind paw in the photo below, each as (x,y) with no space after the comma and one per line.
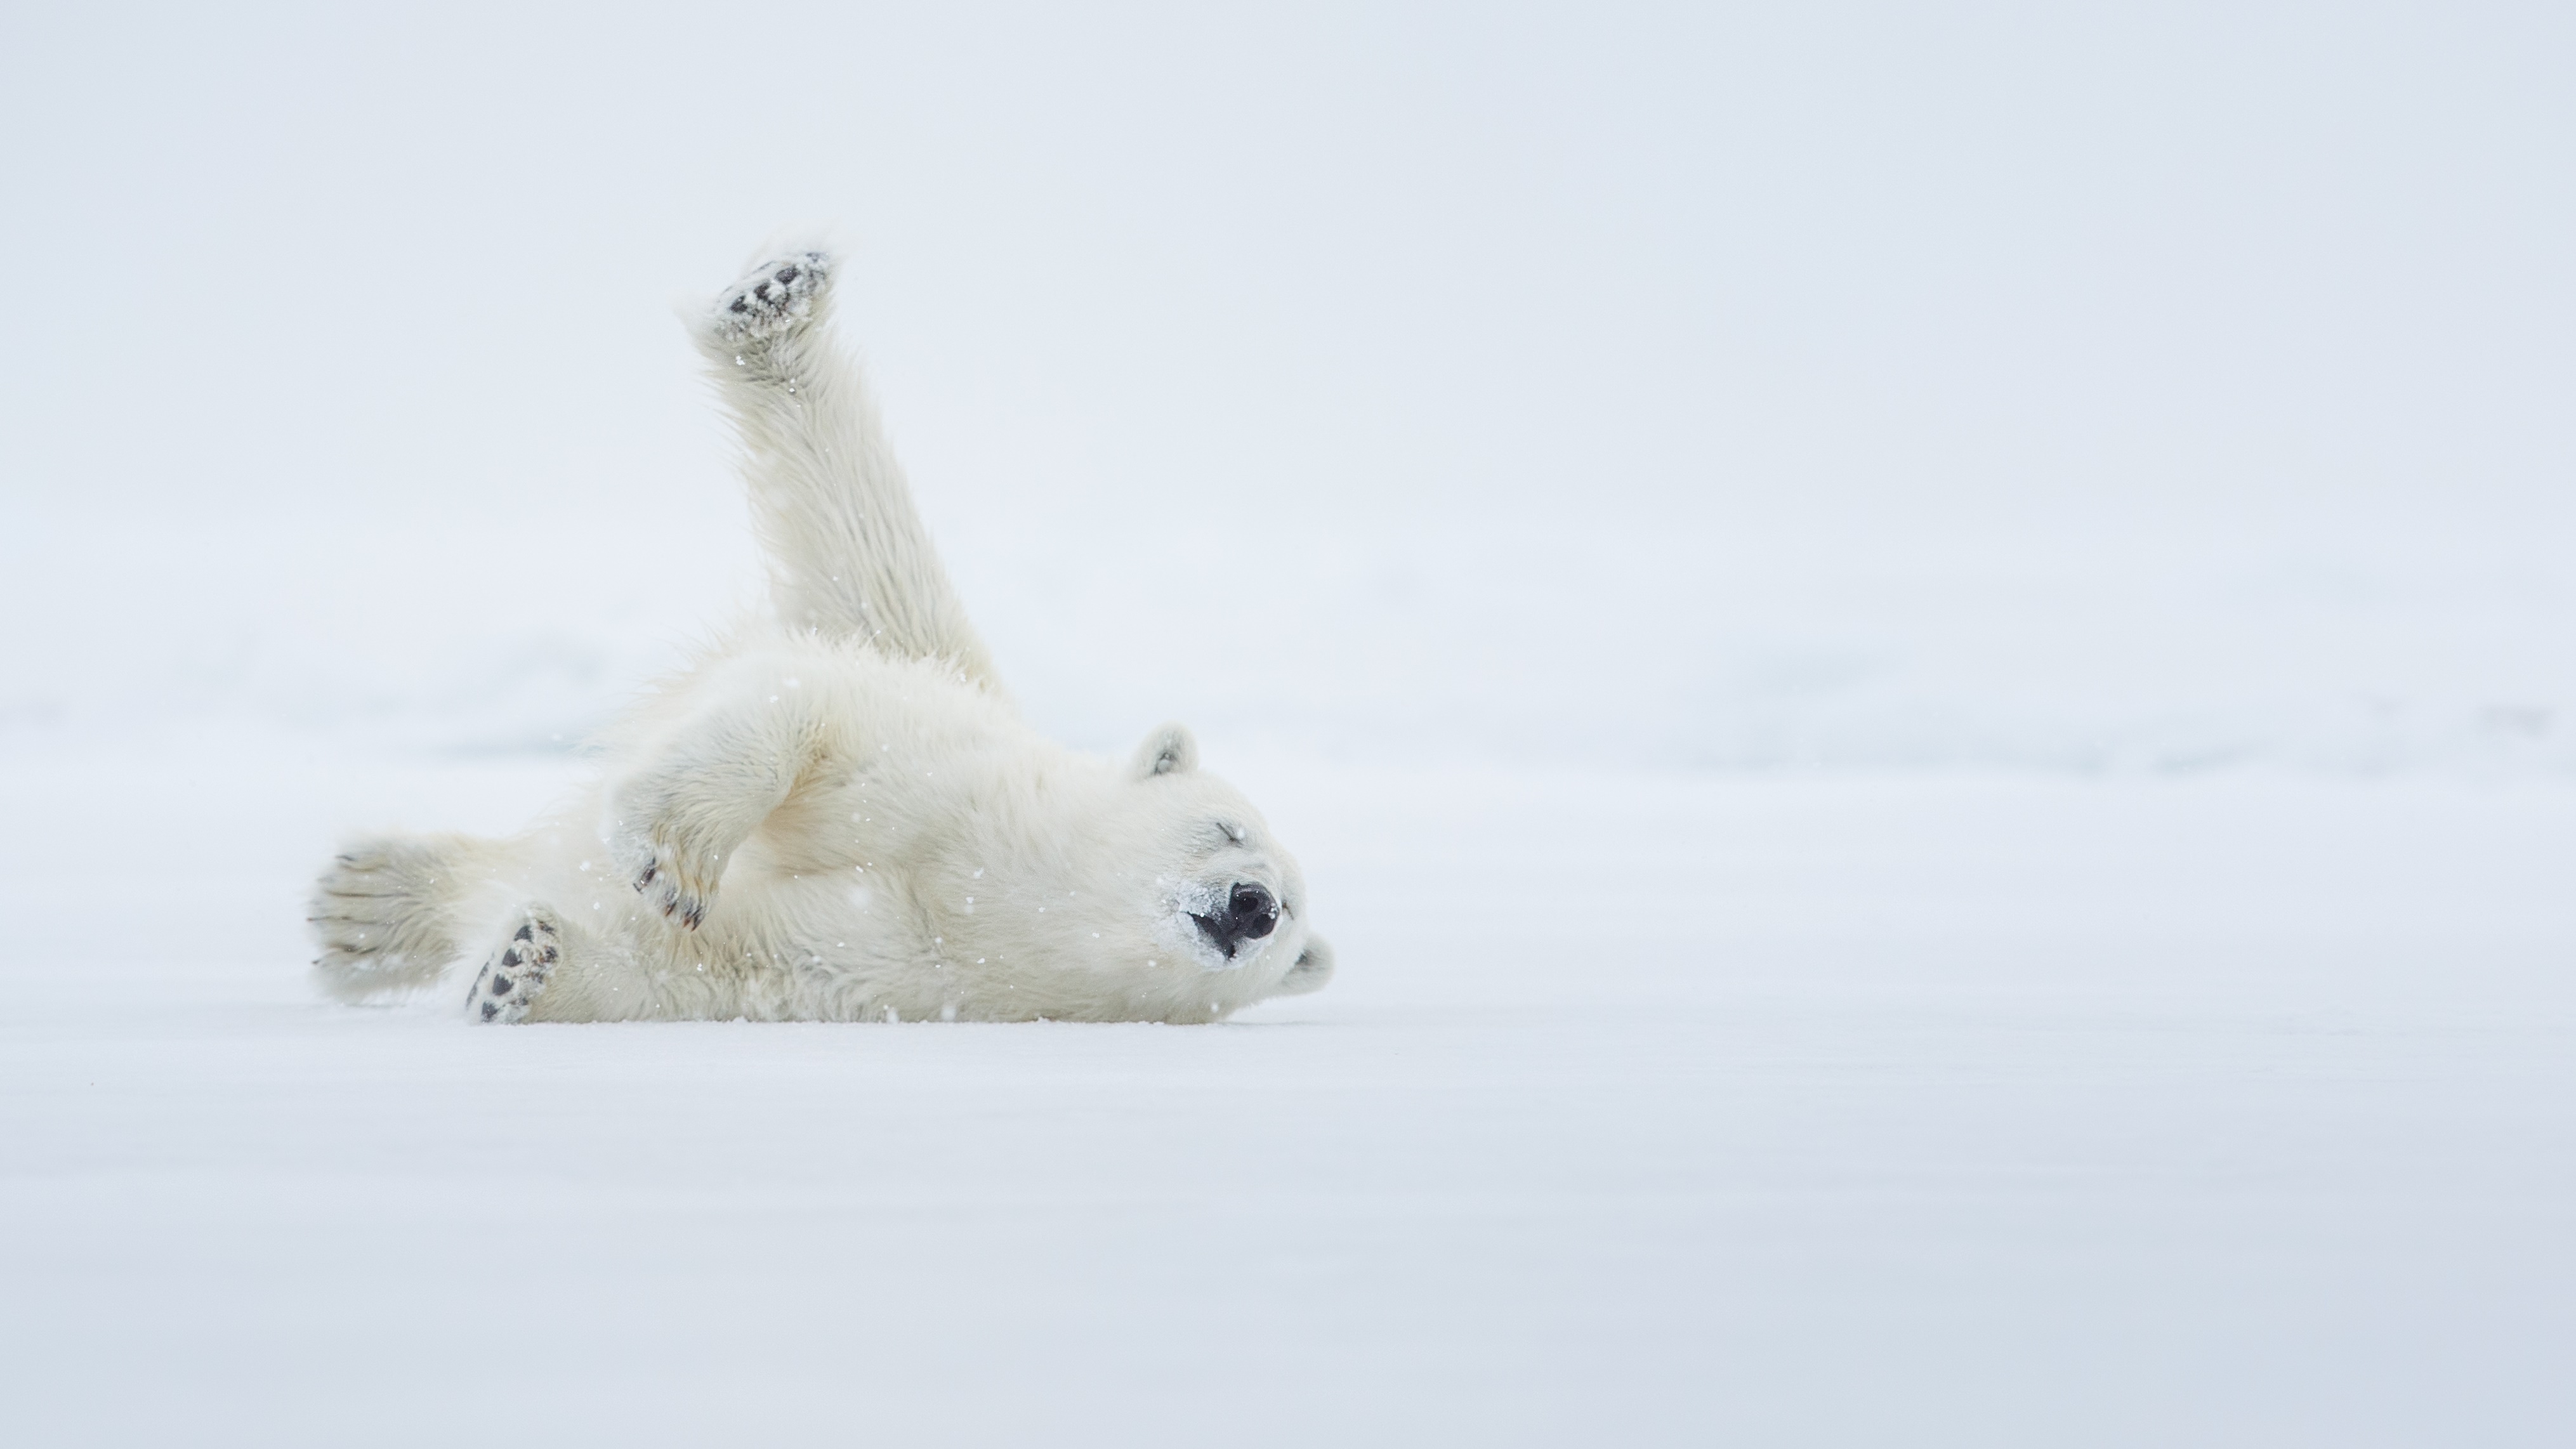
(508,984)
(775,299)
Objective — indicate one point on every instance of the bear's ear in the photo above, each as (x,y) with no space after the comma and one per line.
(1313,971)
(1167,751)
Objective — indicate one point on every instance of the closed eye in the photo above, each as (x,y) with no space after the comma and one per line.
(1230,831)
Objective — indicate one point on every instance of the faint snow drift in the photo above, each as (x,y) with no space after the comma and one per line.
(1604,643)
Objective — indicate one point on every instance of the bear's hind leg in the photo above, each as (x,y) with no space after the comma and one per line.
(514,974)
(848,555)
(773,301)
(553,967)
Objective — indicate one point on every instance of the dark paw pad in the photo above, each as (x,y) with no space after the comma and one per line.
(772,300)
(508,984)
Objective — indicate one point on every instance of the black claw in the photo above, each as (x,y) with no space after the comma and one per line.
(501,985)
(522,934)
(490,1010)
(510,957)
(787,273)
(740,305)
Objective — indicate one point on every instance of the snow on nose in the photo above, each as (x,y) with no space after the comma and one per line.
(1250,914)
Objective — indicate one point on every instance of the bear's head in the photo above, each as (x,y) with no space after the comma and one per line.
(1144,890)
(1218,888)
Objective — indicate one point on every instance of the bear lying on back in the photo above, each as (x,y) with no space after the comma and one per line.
(836,815)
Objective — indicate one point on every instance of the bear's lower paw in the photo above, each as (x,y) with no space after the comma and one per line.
(508,984)
(374,910)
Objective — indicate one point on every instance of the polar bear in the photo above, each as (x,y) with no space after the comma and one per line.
(835,814)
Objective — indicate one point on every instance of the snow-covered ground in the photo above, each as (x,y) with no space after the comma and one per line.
(1649,1108)
(1919,656)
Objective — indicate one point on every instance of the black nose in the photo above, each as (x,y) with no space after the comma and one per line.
(1250,914)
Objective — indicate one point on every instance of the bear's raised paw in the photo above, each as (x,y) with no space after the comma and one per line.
(775,299)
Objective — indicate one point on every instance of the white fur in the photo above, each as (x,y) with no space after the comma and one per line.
(835,815)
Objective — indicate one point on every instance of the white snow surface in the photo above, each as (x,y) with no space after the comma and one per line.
(1919,656)
(1647,1108)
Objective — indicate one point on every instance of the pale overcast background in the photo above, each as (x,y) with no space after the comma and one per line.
(2094,387)
(1922,658)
